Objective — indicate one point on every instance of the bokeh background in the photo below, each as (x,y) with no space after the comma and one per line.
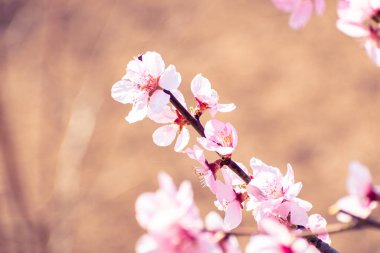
(71,168)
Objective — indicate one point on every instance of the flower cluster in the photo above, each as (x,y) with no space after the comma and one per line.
(170,216)
(173,224)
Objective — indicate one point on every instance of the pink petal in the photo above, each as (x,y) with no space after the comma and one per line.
(233,215)
(165,135)
(182,140)
(166,183)
(301,14)
(224,192)
(359,180)
(170,79)
(207,144)
(320,6)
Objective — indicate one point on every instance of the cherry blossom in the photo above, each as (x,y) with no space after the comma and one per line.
(207,171)
(165,135)
(363,195)
(318,225)
(277,239)
(300,10)
(142,85)
(207,97)
(220,137)
(275,196)
(230,200)
(361,19)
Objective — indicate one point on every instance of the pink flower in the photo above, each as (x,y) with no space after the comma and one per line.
(207,171)
(230,200)
(220,137)
(300,10)
(275,196)
(172,221)
(165,135)
(317,224)
(207,97)
(142,85)
(361,19)
(277,239)
(363,196)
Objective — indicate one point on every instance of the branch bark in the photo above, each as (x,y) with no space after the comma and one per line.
(196,124)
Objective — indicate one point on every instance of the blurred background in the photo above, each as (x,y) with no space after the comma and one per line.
(71,168)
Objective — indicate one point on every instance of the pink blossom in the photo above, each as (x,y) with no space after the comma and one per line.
(277,239)
(361,19)
(207,171)
(318,225)
(142,85)
(165,135)
(363,195)
(207,97)
(219,137)
(300,10)
(172,221)
(275,196)
(230,200)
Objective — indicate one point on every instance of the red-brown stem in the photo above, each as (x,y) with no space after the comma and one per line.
(196,124)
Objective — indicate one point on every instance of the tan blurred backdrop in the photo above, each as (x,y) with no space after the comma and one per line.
(71,167)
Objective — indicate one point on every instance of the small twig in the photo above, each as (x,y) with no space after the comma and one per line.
(363,222)
(196,124)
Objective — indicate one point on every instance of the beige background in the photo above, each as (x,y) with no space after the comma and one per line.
(71,167)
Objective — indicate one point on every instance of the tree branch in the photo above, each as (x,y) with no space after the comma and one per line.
(196,124)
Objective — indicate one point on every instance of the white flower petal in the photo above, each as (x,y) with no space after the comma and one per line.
(138,112)
(124,92)
(165,135)
(158,101)
(154,63)
(226,107)
(182,140)
(170,79)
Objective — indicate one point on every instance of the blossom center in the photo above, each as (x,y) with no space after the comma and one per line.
(149,84)
(223,139)
(372,195)
(374,27)
(286,249)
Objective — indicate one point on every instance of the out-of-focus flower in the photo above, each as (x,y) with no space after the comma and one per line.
(361,19)
(172,221)
(275,196)
(165,135)
(220,137)
(277,239)
(301,10)
(207,97)
(363,195)
(215,225)
(317,224)
(142,85)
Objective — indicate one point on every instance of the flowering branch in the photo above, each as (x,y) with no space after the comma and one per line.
(196,124)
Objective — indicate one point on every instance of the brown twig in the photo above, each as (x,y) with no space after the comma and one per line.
(196,124)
